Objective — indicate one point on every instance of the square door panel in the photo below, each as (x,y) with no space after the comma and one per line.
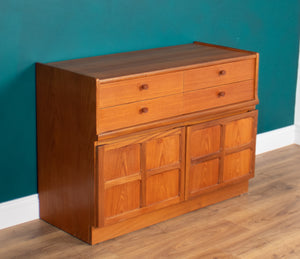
(238,133)
(163,186)
(162,151)
(121,161)
(204,141)
(122,198)
(237,164)
(203,175)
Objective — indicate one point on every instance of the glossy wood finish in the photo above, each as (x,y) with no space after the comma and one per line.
(117,93)
(238,132)
(173,105)
(262,224)
(122,198)
(65,147)
(163,186)
(120,162)
(134,176)
(210,97)
(237,165)
(179,121)
(126,115)
(204,141)
(218,152)
(219,74)
(117,132)
(203,175)
(152,61)
(155,216)
(163,151)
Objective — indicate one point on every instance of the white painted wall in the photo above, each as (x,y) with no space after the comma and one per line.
(297,106)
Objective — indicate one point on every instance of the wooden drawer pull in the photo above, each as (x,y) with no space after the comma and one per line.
(144,110)
(222,72)
(144,87)
(221,94)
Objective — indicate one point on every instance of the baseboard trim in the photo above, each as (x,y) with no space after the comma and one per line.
(27,208)
(19,211)
(275,139)
(297,134)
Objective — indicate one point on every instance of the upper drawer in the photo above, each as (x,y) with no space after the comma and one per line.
(136,113)
(127,91)
(219,74)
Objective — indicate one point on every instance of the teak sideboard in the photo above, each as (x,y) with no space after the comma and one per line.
(128,140)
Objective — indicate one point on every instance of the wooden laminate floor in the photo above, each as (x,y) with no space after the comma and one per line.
(265,223)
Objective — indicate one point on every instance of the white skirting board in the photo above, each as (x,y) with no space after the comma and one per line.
(275,139)
(26,209)
(19,211)
(297,134)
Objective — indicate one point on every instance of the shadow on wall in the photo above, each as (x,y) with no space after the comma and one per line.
(18,136)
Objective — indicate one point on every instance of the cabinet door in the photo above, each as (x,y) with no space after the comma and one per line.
(138,175)
(119,181)
(239,148)
(220,152)
(163,169)
(203,157)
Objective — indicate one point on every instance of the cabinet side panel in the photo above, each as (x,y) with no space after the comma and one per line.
(66,131)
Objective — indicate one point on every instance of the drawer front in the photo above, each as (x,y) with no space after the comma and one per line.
(127,115)
(219,74)
(112,94)
(218,96)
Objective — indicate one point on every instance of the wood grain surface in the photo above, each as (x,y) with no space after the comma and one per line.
(127,65)
(140,176)
(66,131)
(139,89)
(210,97)
(262,224)
(219,74)
(98,190)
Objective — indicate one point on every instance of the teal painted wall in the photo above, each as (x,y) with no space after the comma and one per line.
(52,30)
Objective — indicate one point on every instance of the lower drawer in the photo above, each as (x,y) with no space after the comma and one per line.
(127,115)
(218,96)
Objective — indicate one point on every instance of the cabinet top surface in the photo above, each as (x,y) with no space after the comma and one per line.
(152,61)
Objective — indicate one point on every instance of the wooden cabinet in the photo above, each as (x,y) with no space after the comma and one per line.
(131,139)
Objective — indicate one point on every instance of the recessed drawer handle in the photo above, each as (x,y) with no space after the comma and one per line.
(221,94)
(144,87)
(144,110)
(222,72)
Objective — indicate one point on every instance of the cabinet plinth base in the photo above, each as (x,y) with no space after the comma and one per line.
(124,227)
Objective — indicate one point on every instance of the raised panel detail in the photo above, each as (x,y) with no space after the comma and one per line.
(121,161)
(122,198)
(237,165)
(163,186)
(204,141)
(162,151)
(203,175)
(239,132)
